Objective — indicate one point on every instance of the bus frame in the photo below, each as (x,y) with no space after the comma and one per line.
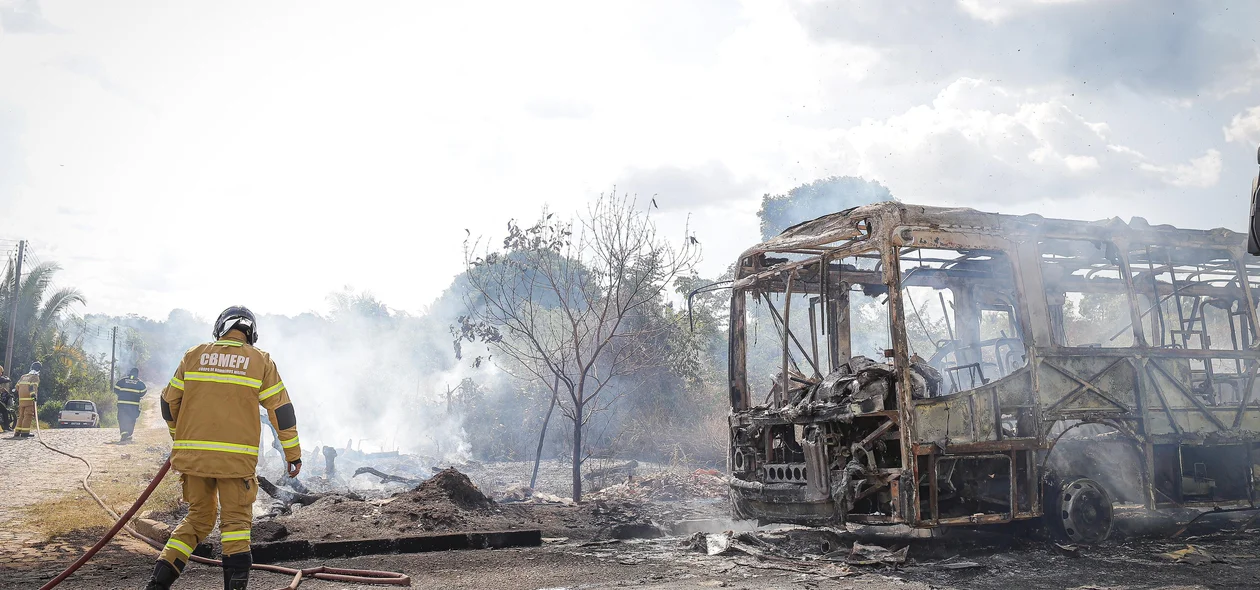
(1164,417)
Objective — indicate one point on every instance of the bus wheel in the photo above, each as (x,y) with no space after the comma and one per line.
(1083,512)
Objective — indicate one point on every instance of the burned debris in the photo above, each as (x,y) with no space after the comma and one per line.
(385,477)
(330,462)
(930,367)
(601,476)
(285,497)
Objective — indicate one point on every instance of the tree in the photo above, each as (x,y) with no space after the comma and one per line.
(560,298)
(39,313)
(818,198)
(40,334)
(708,312)
(347,305)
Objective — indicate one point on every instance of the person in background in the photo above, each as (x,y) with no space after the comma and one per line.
(28,392)
(130,390)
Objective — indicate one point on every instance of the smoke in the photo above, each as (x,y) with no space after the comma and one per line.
(361,375)
(818,198)
(370,382)
(375,380)
(1101,453)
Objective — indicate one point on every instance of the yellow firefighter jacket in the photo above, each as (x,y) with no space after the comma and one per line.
(27,389)
(211,409)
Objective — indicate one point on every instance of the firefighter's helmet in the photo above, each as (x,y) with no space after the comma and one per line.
(237,317)
(134,372)
(36,366)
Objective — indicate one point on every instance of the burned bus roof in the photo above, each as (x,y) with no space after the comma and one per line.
(869,222)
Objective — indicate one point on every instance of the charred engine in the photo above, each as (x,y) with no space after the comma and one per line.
(832,448)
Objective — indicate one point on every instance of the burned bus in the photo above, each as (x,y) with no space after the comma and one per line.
(926,366)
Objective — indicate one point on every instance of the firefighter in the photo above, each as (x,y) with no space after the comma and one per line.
(129,390)
(28,391)
(211,409)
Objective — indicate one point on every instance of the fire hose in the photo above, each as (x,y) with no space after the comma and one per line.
(319,573)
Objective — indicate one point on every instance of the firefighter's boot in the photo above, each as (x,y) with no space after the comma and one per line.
(164,574)
(236,571)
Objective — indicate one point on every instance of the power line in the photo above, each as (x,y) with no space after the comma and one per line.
(31,256)
(83,322)
(11,254)
(32,260)
(90,330)
(102,330)
(16,296)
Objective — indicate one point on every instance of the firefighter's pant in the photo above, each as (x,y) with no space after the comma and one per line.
(26,415)
(127,414)
(235,497)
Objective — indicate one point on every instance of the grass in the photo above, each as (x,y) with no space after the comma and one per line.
(118,482)
(78,511)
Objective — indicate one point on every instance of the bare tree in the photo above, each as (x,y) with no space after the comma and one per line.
(561,300)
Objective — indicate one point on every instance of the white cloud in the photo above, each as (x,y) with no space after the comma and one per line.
(980,141)
(559,108)
(1081,163)
(996,11)
(1201,172)
(688,189)
(1244,127)
(24,16)
(1171,48)
(353,146)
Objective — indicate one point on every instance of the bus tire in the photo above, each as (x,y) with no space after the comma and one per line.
(1079,512)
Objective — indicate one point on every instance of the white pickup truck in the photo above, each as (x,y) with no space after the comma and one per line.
(79,412)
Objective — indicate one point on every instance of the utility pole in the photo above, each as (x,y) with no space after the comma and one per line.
(13,314)
(113,345)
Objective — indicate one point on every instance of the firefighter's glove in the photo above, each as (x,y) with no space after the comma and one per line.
(295,467)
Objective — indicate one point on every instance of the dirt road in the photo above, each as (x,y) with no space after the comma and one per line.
(27,560)
(661,565)
(32,472)
(525,569)
(1223,559)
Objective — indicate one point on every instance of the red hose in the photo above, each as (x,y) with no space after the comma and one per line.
(319,573)
(113,531)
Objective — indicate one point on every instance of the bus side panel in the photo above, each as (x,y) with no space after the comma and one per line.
(1077,386)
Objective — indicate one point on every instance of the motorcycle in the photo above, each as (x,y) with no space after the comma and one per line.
(8,406)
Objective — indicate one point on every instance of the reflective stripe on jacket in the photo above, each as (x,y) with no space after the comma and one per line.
(211,406)
(129,391)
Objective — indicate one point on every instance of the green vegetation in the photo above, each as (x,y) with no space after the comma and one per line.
(40,334)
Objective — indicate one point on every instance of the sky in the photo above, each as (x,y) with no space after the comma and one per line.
(174,154)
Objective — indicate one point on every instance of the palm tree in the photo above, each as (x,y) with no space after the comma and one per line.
(39,314)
